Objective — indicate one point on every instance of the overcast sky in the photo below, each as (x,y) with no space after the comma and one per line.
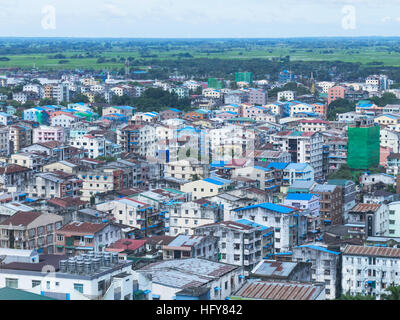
(199,18)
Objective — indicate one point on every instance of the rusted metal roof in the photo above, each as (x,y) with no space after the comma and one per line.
(275,290)
(372,251)
(365,207)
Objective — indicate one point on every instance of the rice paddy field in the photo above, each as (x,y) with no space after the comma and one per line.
(381,52)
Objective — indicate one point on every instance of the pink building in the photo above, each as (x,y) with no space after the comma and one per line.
(45,133)
(384,153)
(335,93)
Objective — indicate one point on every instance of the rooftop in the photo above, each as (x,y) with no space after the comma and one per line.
(372,251)
(276,290)
(186,273)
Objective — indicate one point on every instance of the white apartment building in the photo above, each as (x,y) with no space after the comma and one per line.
(242,243)
(394,219)
(287,95)
(325,266)
(301,107)
(126,211)
(369,270)
(230,142)
(390,139)
(95,146)
(283,219)
(64,120)
(5,141)
(72,279)
(211,93)
(325,85)
(186,169)
(304,147)
(29,160)
(185,217)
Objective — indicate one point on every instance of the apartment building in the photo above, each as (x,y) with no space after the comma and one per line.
(99,277)
(369,220)
(183,218)
(337,92)
(45,134)
(304,147)
(264,176)
(186,169)
(78,237)
(369,270)
(20,136)
(282,218)
(243,242)
(51,185)
(330,197)
(139,139)
(325,268)
(195,246)
(30,160)
(96,146)
(207,187)
(30,230)
(134,213)
(5,143)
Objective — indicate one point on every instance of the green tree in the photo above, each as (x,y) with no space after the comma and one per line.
(47,101)
(394,293)
(92,200)
(385,99)
(80,98)
(348,296)
(339,106)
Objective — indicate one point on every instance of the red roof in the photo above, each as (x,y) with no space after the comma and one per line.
(127,244)
(67,202)
(21,218)
(83,227)
(13,168)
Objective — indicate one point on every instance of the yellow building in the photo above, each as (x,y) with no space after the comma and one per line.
(207,187)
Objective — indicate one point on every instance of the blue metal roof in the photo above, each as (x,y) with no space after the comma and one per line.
(218,181)
(262,168)
(268,206)
(299,196)
(311,246)
(251,224)
(278,165)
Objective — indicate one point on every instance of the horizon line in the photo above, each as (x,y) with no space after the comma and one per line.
(195,38)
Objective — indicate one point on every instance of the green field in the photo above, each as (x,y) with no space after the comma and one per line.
(29,53)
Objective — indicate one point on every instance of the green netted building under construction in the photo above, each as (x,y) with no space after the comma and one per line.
(363,144)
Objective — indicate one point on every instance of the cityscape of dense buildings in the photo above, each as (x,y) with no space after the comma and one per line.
(252,191)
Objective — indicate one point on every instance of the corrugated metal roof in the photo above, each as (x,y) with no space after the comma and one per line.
(272,268)
(274,290)
(372,251)
(365,207)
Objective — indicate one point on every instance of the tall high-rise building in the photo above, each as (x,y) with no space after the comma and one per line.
(363,144)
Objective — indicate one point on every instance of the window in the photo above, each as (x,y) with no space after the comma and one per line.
(78,287)
(36,283)
(12,283)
